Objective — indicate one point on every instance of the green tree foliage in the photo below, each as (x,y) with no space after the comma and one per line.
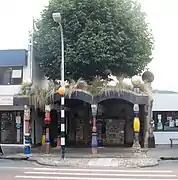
(100,36)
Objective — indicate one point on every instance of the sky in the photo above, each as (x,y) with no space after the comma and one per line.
(16,20)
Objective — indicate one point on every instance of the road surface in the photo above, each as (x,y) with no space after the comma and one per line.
(20,170)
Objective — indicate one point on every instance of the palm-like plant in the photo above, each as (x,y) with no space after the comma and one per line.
(118,86)
(96,85)
(44,96)
(79,85)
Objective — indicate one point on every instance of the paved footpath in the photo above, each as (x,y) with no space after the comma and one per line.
(94,174)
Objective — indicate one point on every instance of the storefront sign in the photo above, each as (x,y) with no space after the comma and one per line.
(18,120)
(6,100)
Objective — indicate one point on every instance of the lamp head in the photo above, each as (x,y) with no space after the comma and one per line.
(57,17)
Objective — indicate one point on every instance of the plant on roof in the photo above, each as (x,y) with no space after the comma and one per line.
(43,96)
(79,85)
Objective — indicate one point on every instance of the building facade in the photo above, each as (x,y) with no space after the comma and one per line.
(17,66)
(114,119)
(114,112)
(165,116)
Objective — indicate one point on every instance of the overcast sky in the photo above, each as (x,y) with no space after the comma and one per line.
(16,20)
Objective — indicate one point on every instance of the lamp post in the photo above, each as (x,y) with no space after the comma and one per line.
(94,141)
(61,92)
(57,19)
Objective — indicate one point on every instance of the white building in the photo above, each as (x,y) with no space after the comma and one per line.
(17,66)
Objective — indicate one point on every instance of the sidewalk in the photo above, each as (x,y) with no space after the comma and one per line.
(164,153)
(106,157)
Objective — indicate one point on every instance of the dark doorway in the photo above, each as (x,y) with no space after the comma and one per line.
(117,116)
(77,123)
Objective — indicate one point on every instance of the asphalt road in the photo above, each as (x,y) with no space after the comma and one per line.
(22,170)
(9,168)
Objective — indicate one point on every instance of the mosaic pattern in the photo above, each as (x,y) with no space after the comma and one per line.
(114,132)
(79,130)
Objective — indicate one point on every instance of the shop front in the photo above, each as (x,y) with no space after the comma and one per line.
(165,116)
(12,122)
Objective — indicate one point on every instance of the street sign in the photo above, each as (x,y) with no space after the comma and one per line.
(18,126)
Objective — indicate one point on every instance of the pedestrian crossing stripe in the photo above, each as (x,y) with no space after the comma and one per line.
(95,174)
(99,174)
(103,170)
(77,178)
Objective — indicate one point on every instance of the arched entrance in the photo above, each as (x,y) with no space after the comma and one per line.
(77,118)
(115,118)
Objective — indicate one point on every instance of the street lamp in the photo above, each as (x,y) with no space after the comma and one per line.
(57,19)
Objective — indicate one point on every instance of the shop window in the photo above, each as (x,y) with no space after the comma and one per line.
(165,120)
(11,76)
(11,125)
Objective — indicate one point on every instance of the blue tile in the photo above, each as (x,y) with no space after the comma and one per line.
(14,57)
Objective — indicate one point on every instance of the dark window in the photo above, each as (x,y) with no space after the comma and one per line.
(166,120)
(11,125)
(11,76)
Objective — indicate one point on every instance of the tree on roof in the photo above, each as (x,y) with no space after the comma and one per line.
(101,36)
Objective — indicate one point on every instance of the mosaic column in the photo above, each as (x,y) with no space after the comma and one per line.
(151,137)
(146,126)
(148,78)
(27,145)
(94,141)
(47,121)
(136,127)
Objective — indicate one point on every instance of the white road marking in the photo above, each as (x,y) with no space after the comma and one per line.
(88,170)
(103,170)
(77,178)
(95,174)
(103,174)
(16,168)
